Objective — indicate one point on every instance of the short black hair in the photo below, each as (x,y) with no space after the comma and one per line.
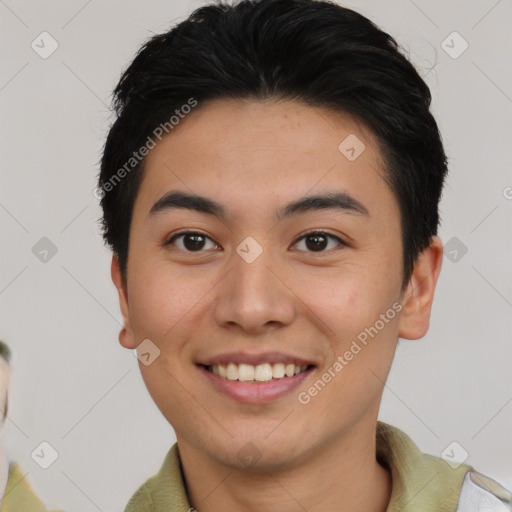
(315,52)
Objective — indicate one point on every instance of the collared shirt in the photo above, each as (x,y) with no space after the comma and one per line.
(421,483)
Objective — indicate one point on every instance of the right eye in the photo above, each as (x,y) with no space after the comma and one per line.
(191,241)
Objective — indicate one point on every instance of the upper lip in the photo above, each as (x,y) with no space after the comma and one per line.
(255,358)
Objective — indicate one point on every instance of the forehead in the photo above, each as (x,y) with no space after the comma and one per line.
(248,151)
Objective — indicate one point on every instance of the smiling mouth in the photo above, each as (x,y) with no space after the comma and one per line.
(261,373)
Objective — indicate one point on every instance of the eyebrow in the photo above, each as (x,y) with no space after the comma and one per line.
(176,199)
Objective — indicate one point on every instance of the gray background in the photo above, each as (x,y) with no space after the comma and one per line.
(75,387)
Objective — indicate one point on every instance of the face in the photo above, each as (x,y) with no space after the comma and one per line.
(257,283)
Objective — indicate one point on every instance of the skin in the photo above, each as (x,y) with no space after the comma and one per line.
(253,157)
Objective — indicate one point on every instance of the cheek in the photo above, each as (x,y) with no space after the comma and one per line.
(159,299)
(364,341)
(349,301)
(350,307)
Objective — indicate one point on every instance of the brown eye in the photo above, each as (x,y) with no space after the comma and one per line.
(191,241)
(317,241)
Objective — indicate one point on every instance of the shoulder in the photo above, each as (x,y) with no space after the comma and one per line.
(429,483)
(141,501)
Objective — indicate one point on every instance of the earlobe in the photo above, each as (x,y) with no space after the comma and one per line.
(126,338)
(419,295)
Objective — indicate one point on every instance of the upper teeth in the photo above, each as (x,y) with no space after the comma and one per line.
(262,372)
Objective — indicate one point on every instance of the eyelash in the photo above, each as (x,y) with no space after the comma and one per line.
(309,233)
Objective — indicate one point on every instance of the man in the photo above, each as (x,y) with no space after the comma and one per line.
(270,192)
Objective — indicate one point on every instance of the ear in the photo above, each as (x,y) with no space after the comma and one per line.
(126,338)
(419,295)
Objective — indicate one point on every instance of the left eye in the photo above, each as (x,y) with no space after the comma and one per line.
(318,240)
(193,241)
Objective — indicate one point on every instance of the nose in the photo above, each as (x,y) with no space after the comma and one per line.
(254,297)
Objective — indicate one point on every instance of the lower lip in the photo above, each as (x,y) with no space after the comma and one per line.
(255,392)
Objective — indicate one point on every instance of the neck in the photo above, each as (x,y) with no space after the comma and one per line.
(341,476)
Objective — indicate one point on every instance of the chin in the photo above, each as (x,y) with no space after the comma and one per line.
(258,452)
